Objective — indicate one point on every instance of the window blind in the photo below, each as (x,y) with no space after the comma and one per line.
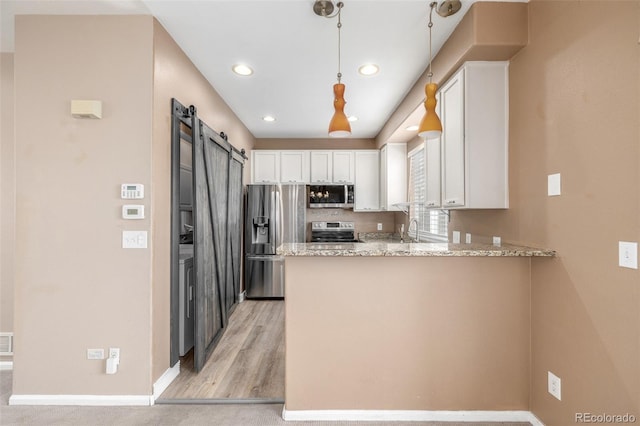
(432,224)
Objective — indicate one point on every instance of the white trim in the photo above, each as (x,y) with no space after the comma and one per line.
(416,149)
(165,380)
(6,365)
(411,416)
(88,400)
(242,296)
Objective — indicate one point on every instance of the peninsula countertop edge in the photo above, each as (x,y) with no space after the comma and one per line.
(385,248)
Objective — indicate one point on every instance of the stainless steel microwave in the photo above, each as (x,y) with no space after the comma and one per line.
(330,196)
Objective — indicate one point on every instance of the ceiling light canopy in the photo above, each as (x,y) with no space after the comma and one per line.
(242,69)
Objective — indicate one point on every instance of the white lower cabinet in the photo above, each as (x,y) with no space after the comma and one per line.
(367,180)
(474,113)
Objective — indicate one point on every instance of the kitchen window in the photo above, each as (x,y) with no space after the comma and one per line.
(432,224)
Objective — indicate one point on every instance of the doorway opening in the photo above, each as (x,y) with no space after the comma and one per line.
(229,350)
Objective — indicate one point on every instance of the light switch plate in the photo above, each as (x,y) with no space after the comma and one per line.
(456,237)
(467,238)
(134,239)
(553,185)
(628,254)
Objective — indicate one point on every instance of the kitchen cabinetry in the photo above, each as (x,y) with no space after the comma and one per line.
(294,166)
(393,175)
(432,161)
(474,113)
(367,180)
(343,167)
(321,166)
(273,166)
(265,166)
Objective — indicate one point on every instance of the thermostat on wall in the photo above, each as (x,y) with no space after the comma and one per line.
(130,211)
(132,191)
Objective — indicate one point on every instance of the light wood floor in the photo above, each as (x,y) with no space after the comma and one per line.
(247,363)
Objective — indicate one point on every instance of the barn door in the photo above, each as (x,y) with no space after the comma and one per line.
(211,177)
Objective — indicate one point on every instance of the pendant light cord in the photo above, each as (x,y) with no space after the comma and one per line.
(432,5)
(339,28)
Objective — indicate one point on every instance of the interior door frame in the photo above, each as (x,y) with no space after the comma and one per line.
(187,116)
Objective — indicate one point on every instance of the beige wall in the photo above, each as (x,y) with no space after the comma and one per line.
(175,76)
(7,191)
(574,110)
(407,333)
(327,143)
(76,288)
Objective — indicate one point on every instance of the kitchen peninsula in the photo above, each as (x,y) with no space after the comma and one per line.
(393,328)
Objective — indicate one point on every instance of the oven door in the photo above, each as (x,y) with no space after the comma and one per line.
(332,237)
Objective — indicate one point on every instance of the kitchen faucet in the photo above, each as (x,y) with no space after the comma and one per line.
(411,222)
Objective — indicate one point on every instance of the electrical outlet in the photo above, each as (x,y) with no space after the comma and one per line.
(95,353)
(456,237)
(379,227)
(114,353)
(628,254)
(554,386)
(467,238)
(497,241)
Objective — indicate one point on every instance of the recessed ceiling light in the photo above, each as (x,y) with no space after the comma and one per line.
(412,128)
(242,69)
(368,69)
(352,118)
(269,118)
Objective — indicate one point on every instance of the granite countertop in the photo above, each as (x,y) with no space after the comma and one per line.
(395,248)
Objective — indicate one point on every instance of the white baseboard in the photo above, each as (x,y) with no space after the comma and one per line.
(165,380)
(90,400)
(411,416)
(6,365)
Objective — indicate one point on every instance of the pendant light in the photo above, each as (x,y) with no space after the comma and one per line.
(431,126)
(339,127)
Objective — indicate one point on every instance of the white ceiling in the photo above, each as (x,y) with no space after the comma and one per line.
(293,53)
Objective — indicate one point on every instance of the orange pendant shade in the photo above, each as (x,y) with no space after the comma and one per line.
(339,127)
(430,126)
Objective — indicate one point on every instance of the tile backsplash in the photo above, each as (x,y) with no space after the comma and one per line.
(364,221)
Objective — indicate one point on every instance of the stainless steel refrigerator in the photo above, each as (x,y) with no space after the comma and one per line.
(275,214)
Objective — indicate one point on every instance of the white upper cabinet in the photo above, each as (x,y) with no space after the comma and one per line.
(367,180)
(393,175)
(343,166)
(294,166)
(321,166)
(265,166)
(474,112)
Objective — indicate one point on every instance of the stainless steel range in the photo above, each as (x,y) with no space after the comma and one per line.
(333,232)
